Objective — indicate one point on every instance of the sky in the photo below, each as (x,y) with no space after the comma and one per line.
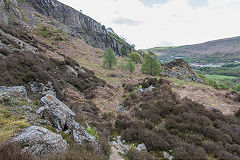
(161,23)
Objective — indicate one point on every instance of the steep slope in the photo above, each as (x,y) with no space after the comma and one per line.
(218,50)
(80,24)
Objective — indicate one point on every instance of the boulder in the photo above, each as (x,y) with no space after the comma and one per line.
(43,89)
(56,112)
(166,155)
(81,136)
(20,90)
(141,147)
(119,146)
(149,89)
(40,142)
(62,118)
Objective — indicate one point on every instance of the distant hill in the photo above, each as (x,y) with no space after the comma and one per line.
(213,51)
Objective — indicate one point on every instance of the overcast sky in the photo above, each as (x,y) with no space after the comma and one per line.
(150,23)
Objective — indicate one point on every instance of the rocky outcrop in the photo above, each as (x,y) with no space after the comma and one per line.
(88,29)
(20,90)
(62,118)
(43,89)
(3,15)
(39,141)
(81,136)
(56,112)
(180,69)
(124,148)
(22,45)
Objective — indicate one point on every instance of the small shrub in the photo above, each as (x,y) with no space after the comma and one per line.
(226,155)
(153,141)
(237,88)
(130,66)
(203,77)
(93,132)
(233,148)
(12,151)
(212,83)
(187,151)
(44,32)
(131,135)
(237,113)
(67,137)
(122,122)
(109,58)
(106,145)
(136,57)
(4,51)
(212,148)
(133,154)
(77,153)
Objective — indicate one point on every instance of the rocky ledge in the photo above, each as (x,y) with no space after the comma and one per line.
(180,69)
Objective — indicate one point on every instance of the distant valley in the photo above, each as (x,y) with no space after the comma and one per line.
(217,51)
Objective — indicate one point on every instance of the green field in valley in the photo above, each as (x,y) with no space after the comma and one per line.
(220,77)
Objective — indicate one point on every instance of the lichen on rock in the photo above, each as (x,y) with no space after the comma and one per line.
(39,141)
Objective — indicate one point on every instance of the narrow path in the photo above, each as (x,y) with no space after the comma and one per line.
(114,155)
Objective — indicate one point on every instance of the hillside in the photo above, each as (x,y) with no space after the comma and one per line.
(217,51)
(59,102)
(74,22)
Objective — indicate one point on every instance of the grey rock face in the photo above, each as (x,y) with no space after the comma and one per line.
(119,146)
(22,44)
(56,112)
(149,89)
(166,155)
(43,89)
(39,141)
(121,109)
(62,118)
(72,71)
(81,136)
(21,90)
(88,29)
(123,148)
(141,147)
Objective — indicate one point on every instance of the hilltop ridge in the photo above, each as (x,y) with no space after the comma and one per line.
(221,50)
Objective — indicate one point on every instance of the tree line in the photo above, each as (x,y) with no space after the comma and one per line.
(150,63)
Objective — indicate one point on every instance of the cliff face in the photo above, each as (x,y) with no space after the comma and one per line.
(89,29)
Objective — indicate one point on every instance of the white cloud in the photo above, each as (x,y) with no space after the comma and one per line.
(126,21)
(175,21)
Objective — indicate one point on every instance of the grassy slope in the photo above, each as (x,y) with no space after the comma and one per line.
(11,123)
